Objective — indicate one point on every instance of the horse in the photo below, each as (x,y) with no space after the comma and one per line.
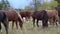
(4,20)
(40,15)
(53,16)
(14,17)
(58,10)
(26,14)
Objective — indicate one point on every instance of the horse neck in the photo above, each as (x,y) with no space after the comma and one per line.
(19,16)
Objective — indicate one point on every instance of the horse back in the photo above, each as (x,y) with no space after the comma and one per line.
(12,15)
(2,15)
(52,13)
(39,14)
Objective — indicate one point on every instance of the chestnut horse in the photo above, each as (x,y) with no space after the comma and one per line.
(53,16)
(26,14)
(40,15)
(14,17)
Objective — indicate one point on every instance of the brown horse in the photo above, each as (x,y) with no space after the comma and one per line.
(40,15)
(14,17)
(58,10)
(53,16)
(26,14)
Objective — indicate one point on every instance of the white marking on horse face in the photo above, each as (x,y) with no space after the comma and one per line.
(0,30)
(24,19)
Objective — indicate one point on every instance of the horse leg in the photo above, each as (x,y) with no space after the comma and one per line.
(6,27)
(20,24)
(0,27)
(12,24)
(50,21)
(16,25)
(59,20)
(33,22)
(53,22)
(37,23)
(56,22)
(44,23)
(6,24)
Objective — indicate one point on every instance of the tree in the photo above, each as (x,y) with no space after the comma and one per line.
(28,8)
(35,4)
(18,9)
(7,4)
(41,4)
(58,3)
(4,5)
(0,6)
(53,4)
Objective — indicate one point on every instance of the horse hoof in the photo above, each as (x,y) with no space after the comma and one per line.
(0,30)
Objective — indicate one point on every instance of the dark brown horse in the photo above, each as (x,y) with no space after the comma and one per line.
(53,16)
(4,21)
(40,15)
(14,17)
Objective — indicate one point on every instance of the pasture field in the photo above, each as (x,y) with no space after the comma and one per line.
(28,29)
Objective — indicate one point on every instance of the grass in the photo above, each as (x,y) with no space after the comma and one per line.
(28,29)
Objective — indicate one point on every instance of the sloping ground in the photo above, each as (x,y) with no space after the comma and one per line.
(28,29)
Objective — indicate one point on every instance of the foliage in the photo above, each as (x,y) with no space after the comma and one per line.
(18,9)
(29,8)
(53,4)
(58,3)
(43,5)
(4,5)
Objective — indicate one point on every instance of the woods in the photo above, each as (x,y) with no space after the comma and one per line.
(4,5)
(34,4)
(43,4)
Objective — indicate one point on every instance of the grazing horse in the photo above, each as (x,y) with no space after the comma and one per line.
(25,14)
(14,17)
(4,20)
(58,10)
(53,16)
(40,15)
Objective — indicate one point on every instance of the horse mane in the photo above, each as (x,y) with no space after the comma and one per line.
(17,13)
(20,16)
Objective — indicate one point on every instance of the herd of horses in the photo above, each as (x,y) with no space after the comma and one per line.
(53,16)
